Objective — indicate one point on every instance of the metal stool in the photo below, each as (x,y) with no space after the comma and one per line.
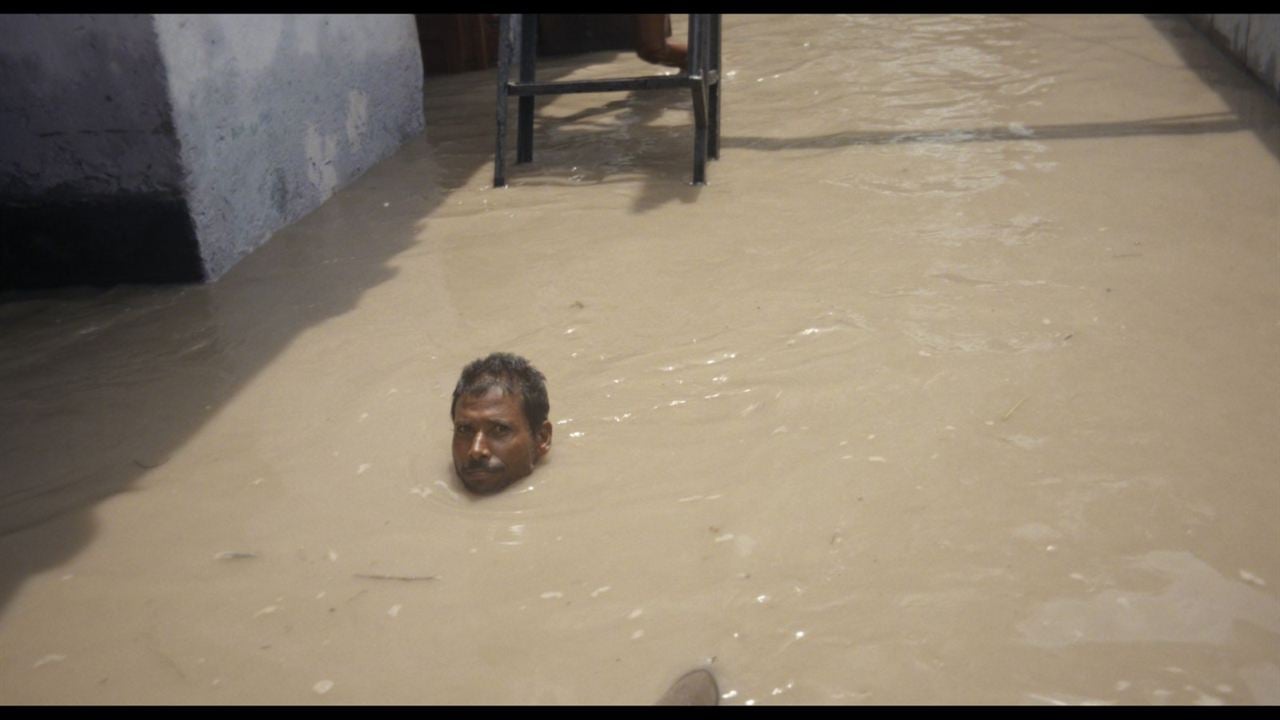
(703,79)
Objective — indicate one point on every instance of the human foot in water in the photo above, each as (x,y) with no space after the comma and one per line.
(652,44)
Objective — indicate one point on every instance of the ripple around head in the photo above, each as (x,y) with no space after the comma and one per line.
(536,496)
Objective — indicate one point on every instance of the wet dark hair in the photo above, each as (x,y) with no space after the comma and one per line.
(515,376)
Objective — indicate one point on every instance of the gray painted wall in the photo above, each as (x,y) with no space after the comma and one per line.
(276,112)
(141,148)
(83,107)
(1254,39)
(90,176)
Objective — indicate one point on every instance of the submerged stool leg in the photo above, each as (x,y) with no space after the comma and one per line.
(505,41)
(713,143)
(698,85)
(528,61)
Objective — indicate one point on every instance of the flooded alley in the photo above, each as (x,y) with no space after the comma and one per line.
(959,382)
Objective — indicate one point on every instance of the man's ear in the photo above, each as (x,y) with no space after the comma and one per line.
(542,439)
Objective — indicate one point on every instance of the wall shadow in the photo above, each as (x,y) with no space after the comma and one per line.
(99,386)
(1250,100)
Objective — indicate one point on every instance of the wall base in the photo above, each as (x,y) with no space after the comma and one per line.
(98,240)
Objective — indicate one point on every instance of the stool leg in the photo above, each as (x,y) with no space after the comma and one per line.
(528,60)
(700,134)
(505,41)
(713,144)
(698,76)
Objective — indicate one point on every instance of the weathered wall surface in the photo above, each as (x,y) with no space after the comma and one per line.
(1255,39)
(141,148)
(275,112)
(90,179)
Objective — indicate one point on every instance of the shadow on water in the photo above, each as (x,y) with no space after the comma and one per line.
(1250,101)
(100,386)
(585,147)
(616,140)
(1177,125)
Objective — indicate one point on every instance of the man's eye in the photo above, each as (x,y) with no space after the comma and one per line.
(462,430)
(501,430)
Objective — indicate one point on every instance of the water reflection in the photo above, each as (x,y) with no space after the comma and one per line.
(1196,605)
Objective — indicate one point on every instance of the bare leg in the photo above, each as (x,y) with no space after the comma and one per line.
(652,44)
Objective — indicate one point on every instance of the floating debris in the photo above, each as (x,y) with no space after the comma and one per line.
(50,658)
(322,687)
(1015,407)
(234,555)
(1250,577)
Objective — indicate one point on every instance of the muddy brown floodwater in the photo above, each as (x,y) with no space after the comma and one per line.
(958,384)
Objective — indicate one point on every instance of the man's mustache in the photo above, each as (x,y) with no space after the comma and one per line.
(482,466)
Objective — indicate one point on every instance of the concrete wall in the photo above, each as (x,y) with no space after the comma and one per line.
(84,106)
(1254,39)
(89,166)
(140,148)
(275,112)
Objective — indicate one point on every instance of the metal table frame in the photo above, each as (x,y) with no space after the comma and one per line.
(519,33)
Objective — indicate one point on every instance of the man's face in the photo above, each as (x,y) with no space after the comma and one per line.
(493,445)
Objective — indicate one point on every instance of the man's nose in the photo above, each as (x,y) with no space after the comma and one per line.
(479,447)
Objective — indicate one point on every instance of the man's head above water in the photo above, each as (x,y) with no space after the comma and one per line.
(500,426)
